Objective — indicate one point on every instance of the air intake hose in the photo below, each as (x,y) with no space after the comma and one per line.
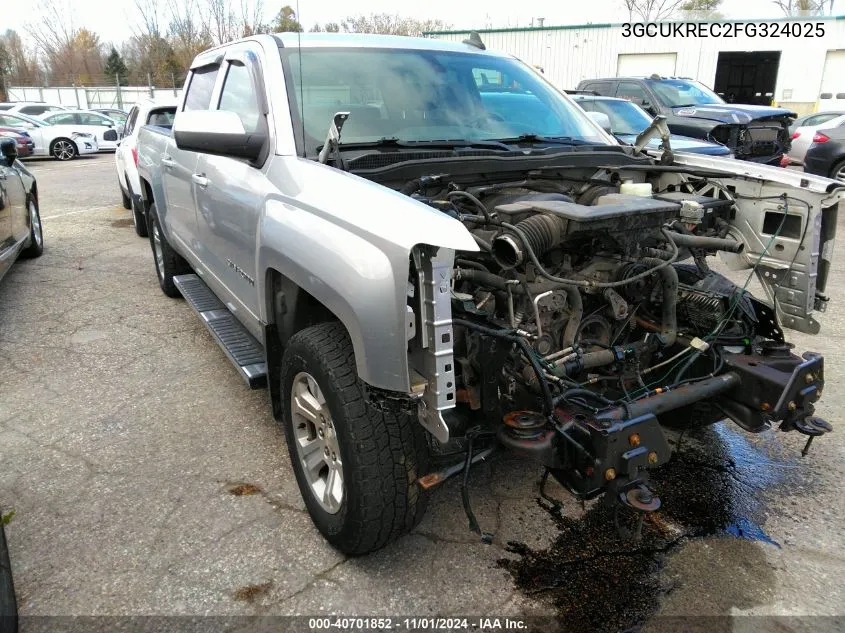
(543,233)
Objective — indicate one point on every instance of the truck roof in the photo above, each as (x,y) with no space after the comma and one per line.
(365,40)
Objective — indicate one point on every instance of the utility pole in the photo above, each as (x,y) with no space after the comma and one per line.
(119,96)
(173,81)
(150,85)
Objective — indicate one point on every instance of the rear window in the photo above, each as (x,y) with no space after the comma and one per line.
(161,117)
(603,88)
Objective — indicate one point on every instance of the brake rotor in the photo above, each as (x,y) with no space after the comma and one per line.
(641,499)
(525,424)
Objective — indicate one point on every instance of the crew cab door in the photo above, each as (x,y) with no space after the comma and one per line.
(178,166)
(230,192)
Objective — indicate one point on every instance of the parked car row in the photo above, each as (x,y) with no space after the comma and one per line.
(701,122)
(61,132)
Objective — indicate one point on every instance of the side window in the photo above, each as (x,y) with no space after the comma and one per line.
(133,117)
(92,119)
(604,88)
(62,119)
(238,96)
(201,87)
(819,119)
(632,92)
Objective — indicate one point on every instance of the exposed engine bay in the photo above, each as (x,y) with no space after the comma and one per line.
(589,319)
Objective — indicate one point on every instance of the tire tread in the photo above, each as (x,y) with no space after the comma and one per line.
(388,444)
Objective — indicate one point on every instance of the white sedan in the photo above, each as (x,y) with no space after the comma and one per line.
(63,142)
(105,129)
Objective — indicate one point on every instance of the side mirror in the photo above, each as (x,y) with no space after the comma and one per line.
(217,132)
(9,150)
(602,119)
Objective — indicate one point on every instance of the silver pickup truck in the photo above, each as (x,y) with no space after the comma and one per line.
(428,252)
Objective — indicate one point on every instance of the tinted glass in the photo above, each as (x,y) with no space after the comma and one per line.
(677,93)
(604,88)
(238,95)
(419,95)
(201,87)
(34,110)
(632,91)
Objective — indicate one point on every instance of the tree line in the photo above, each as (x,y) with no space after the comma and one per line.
(167,35)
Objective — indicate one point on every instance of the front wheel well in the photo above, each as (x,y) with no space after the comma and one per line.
(290,309)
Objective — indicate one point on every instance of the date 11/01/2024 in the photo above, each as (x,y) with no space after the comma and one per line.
(417,624)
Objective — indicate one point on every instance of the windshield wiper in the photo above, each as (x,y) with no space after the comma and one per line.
(539,139)
(392,141)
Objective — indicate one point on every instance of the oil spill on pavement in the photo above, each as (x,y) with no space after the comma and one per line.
(599,582)
(251,593)
(244,489)
(122,223)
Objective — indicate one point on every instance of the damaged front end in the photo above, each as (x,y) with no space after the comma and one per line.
(590,319)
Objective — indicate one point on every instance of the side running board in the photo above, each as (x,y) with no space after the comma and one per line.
(239,345)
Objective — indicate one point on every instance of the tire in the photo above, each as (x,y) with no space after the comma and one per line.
(381,446)
(168,263)
(8,603)
(36,231)
(838,171)
(63,149)
(139,220)
(125,199)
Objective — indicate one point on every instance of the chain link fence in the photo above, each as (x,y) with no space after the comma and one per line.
(88,97)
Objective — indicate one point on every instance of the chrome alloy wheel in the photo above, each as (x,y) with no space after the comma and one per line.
(317,445)
(158,250)
(35,224)
(840,174)
(64,150)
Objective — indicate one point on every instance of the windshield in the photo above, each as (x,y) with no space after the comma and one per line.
(20,120)
(421,95)
(625,117)
(676,93)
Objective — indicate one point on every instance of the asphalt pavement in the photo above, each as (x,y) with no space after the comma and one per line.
(147,479)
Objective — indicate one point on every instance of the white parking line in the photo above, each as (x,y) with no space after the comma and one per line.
(92,209)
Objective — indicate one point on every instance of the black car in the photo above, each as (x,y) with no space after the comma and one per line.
(627,120)
(826,156)
(20,222)
(752,132)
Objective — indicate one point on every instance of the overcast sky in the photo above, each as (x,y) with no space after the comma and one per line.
(112,19)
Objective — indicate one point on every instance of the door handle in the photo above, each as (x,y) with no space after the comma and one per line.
(200,180)
(167,162)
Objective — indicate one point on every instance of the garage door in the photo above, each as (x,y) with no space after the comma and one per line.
(645,64)
(832,94)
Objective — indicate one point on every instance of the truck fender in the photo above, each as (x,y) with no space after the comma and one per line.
(357,281)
